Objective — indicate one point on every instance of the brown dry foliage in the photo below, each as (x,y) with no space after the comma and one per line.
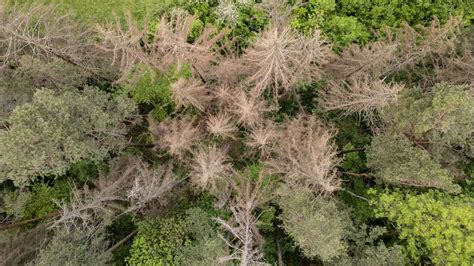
(458,68)
(43,32)
(305,153)
(209,168)
(132,44)
(372,59)
(359,72)
(281,58)
(176,136)
(362,96)
(18,248)
(249,194)
(231,70)
(248,109)
(263,137)
(224,94)
(221,125)
(190,92)
(128,187)
(400,50)
(436,39)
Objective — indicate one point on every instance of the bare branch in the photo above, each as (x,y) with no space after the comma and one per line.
(360,95)
(210,166)
(221,125)
(176,136)
(282,58)
(189,92)
(306,154)
(128,187)
(243,225)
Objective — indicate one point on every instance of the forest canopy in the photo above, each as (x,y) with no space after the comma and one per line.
(236,132)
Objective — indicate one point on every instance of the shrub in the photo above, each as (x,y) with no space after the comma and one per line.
(178,240)
(44,198)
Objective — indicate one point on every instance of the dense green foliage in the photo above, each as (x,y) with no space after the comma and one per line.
(74,247)
(60,129)
(433,224)
(317,225)
(395,161)
(44,198)
(428,137)
(366,248)
(152,88)
(349,21)
(177,240)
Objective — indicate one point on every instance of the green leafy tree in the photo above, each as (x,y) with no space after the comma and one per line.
(157,241)
(427,139)
(152,87)
(366,248)
(205,247)
(440,121)
(189,239)
(434,224)
(395,161)
(43,198)
(54,130)
(316,224)
(356,21)
(77,246)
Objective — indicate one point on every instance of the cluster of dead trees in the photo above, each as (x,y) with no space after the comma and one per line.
(235,97)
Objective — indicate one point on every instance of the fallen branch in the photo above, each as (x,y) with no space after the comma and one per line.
(121,242)
(359,174)
(357,196)
(349,151)
(4,227)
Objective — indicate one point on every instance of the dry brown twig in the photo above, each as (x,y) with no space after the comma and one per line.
(401,50)
(249,195)
(305,153)
(43,32)
(221,125)
(125,43)
(18,248)
(168,44)
(359,73)
(263,137)
(176,136)
(249,109)
(281,58)
(372,60)
(209,168)
(128,187)
(436,39)
(362,96)
(457,68)
(224,94)
(231,70)
(190,92)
